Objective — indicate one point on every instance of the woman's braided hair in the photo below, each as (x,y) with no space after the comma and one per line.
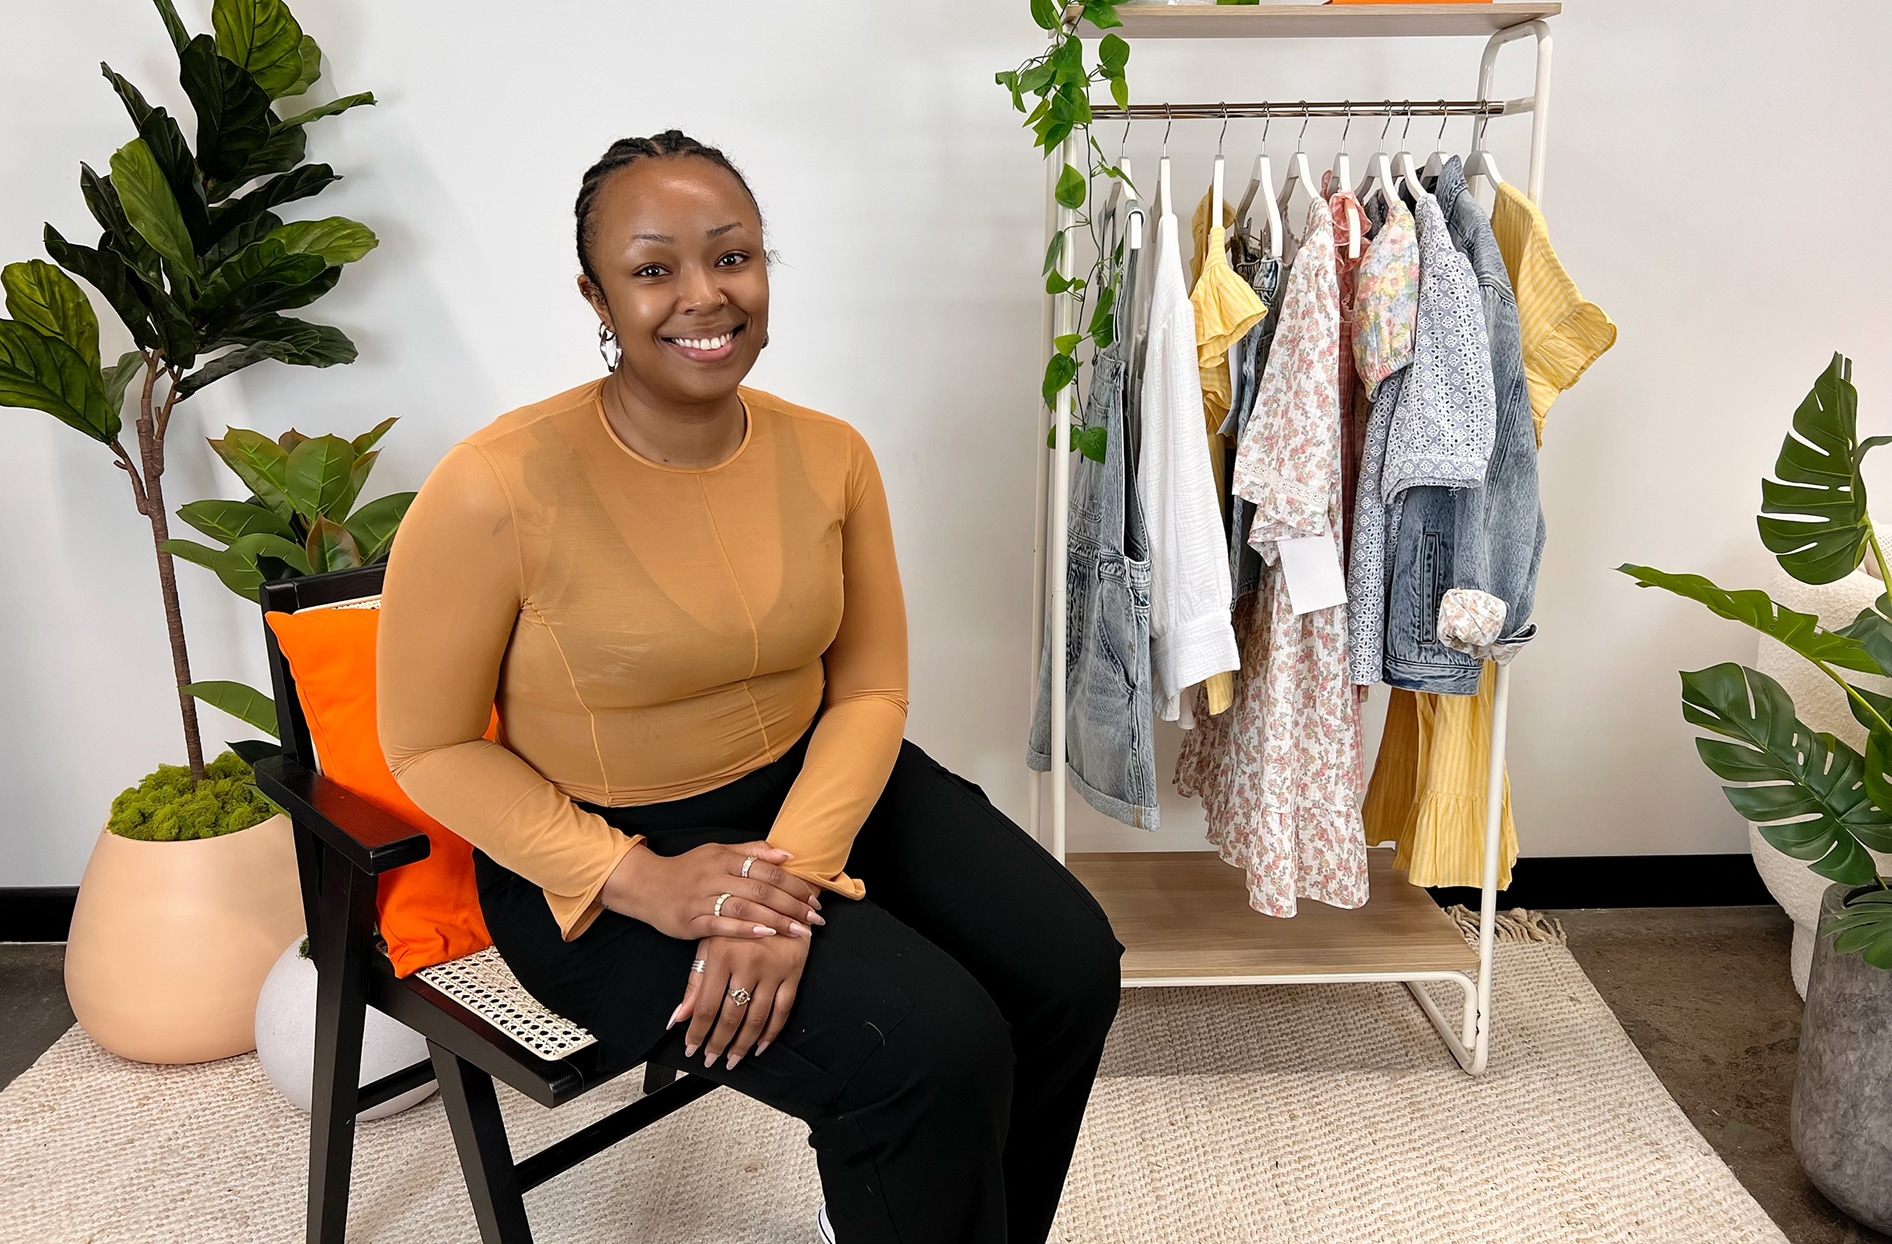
(627,151)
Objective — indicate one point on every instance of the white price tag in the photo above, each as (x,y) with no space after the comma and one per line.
(1311,567)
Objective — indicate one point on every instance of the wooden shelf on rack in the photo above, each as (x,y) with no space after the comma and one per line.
(1185,914)
(1323,21)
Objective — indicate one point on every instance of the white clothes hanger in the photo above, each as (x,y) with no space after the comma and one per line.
(1116,183)
(1343,162)
(1123,189)
(1162,171)
(1134,233)
(1480,163)
(1263,175)
(1379,172)
(1216,175)
(1299,172)
(1343,179)
(1404,166)
(1435,163)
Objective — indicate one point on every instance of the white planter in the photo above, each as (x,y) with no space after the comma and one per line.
(285,1038)
(1820,703)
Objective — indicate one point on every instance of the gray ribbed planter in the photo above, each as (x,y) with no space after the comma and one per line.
(1842,1095)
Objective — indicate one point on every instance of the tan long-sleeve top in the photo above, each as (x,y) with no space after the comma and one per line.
(647,632)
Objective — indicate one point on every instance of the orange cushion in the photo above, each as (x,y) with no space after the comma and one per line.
(430,909)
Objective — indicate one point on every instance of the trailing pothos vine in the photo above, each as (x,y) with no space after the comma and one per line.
(1060,81)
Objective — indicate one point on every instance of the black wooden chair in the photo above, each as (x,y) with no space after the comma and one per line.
(343,845)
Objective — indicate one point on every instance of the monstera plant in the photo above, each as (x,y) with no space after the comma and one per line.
(300,518)
(1809,793)
(193,259)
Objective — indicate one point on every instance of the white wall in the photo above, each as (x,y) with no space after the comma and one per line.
(906,209)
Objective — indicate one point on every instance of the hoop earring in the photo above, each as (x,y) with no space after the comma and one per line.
(607,337)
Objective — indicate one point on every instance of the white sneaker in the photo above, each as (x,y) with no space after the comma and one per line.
(822,1224)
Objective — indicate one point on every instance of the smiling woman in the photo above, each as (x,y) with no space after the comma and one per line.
(682,289)
(682,596)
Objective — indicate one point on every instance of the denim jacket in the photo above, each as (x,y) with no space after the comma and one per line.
(1473,550)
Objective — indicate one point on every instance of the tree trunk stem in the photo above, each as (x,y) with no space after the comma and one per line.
(151,451)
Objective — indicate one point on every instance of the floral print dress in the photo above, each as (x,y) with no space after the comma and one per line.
(1279,774)
(1348,216)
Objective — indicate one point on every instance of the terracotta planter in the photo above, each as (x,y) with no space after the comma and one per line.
(171,941)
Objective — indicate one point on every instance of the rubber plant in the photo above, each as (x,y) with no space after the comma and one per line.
(1810,794)
(1060,79)
(192,258)
(300,519)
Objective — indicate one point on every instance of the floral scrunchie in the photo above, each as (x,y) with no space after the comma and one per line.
(1386,299)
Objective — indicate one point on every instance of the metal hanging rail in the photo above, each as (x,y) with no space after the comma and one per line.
(1290,110)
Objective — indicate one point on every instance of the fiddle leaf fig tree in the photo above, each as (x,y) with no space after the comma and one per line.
(192,258)
(1811,795)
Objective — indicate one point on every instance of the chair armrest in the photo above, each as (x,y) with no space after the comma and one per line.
(368,838)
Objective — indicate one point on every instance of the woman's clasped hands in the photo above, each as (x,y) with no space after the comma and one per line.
(748,915)
(739,995)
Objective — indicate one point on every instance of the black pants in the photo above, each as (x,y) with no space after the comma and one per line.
(947,1029)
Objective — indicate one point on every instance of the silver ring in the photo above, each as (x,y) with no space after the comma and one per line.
(719,904)
(748,862)
(699,965)
(740,997)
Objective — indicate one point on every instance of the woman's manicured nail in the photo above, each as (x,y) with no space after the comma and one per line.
(815,919)
(731,1064)
(760,1046)
(763,930)
(709,1060)
(676,1016)
(689,1051)
(798,929)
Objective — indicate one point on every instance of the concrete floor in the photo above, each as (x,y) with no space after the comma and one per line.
(1705,994)
(33,1010)
(1702,991)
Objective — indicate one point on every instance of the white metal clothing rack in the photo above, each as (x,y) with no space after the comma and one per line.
(1401,935)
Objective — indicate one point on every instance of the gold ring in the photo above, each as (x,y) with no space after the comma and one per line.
(740,996)
(719,904)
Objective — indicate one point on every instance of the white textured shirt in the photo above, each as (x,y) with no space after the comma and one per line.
(1191,636)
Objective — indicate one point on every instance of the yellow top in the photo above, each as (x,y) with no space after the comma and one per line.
(1428,792)
(648,633)
(1226,308)
(1562,332)
(1199,231)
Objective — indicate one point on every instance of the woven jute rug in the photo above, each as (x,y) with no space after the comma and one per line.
(1307,1114)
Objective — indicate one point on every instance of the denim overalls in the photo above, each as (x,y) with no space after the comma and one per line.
(1108,732)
